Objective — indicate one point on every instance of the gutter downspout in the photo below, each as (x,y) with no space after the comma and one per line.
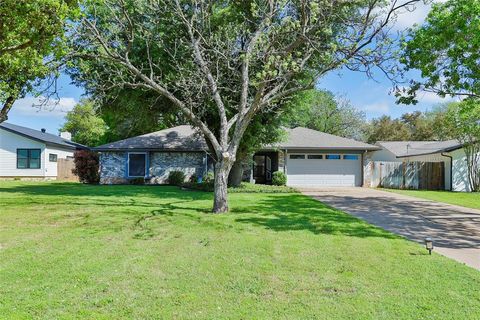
(451,169)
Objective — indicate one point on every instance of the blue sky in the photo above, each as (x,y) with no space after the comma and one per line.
(368,95)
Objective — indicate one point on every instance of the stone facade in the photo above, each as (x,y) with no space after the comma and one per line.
(162,163)
(113,166)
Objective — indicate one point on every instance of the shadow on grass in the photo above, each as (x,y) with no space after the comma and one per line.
(70,189)
(146,208)
(297,212)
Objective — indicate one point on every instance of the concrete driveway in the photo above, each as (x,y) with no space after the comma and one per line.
(455,230)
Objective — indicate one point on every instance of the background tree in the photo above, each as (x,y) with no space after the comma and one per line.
(227,61)
(446,50)
(322,111)
(85,125)
(31,43)
(387,129)
(464,119)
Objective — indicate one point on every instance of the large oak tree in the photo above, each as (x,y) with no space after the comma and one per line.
(226,61)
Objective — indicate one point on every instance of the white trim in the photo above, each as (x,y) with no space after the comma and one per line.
(128,164)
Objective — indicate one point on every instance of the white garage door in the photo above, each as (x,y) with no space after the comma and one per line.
(324,170)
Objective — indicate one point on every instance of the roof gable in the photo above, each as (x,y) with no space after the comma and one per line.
(186,138)
(305,138)
(37,135)
(416,148)
(180,138)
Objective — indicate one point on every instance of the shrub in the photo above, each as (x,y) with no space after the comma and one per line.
(86,166)
(193,178)
(279,178)
(209,177)
(176,178)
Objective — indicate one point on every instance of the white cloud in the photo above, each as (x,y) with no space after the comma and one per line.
(377,107)
(432,98)
(39,106)
(414,14)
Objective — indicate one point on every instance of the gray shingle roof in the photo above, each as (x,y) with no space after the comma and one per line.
(417,148)
(180,138)
(185,138)
(44,137)
(304,138)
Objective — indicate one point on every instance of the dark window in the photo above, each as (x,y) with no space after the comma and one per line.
(136,164)
(52,157)
(297,156)
(350,157)
(315,156)
(28,158)
(332,157)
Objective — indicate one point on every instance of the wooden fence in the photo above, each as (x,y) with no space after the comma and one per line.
(64,170)
(409,175)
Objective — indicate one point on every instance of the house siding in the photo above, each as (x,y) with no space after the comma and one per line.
(113,166)
(162,163)
(460,171)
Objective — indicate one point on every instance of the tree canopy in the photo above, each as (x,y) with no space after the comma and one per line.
(31,43)
(446,51)
(322,111)
(85,125)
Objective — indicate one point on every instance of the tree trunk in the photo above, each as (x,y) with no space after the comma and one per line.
(220,201)
(236,174)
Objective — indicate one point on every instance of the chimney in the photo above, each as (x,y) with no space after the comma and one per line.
(66,135)
(43,130)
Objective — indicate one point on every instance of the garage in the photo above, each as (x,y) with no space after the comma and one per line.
(324,170)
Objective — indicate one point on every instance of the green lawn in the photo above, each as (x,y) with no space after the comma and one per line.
(464,199)
(70,251)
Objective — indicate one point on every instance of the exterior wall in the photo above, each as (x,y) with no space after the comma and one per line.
(386,156)
(113,166)
(9,143)
(162,163)
(460,171)
(51,167)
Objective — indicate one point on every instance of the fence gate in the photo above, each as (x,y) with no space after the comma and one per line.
(64,170)
(409,175)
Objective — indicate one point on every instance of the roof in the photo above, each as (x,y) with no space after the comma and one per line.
(186,138)
(180,138)
(403,149)
(44,137)
(304,138)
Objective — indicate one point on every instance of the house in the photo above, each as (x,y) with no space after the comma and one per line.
(33,154)
(450,153)
(307,157)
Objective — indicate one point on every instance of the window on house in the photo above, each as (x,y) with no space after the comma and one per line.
(332,157)
(52,157)
(28,158)
(350,157)
(315,156)
(297,156)
(136,164)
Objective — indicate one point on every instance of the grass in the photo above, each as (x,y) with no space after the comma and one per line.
(244,187)
(71,251)
(464,199)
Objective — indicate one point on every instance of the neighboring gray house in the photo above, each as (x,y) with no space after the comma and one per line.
(449,152)
(307,157)
(32,154)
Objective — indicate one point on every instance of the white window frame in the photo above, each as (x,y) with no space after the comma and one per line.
(128,164)
(333,154)
(297,154)
(351,154)
(316,154)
